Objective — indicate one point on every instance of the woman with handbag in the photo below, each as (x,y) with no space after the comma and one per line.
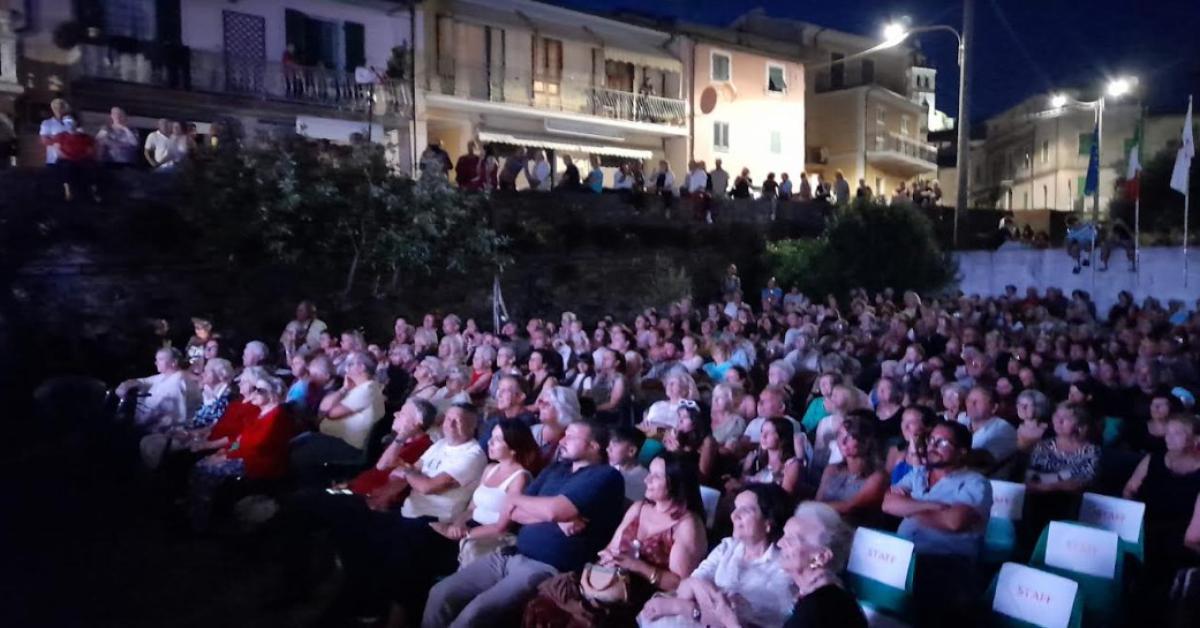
(741,582)
(658,544)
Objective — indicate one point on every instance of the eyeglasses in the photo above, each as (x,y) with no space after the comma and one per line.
(262,390)
(939,443)
(689,404)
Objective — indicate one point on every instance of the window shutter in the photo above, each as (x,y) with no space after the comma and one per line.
(296,36)
(355,36)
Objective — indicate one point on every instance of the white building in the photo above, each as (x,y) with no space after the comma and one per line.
(923,91)
(1036,156)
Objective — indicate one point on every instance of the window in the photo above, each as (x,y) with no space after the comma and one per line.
(880,115)
(868,71)
(878,142)
(721,137)
(318,42)
(1085,144)
(776,142)
(135,19)
(837,71)
(776,83)
(721,67)
(1081,185)
(547,66)
(1045,151)
(1045,197)
(904,125)
(1027,162)
(1025,200)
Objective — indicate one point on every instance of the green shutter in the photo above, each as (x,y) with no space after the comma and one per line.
(355,37)
(1081,184)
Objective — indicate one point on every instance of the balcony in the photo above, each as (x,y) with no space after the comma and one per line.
(255,80)
(9,83)
(902,154)
(566,93)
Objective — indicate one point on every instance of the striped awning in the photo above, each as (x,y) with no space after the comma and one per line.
(564,146)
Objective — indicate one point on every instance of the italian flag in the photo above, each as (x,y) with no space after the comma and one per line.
(1133,174)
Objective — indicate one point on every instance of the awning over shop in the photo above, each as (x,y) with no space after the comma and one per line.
(550,143)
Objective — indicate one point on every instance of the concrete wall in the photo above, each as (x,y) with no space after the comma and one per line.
(752,114)
(1161,275)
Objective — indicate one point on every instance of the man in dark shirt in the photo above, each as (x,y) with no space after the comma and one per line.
(578,494)
(466,171)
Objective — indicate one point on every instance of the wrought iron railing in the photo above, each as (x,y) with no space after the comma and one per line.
(215,72)
(560,92)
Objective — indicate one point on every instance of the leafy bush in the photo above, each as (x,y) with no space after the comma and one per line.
(866,245)
(332,213)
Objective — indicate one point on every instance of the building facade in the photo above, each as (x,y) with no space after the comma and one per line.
(519,74)
(273,66)
(747,102)
(861,115)
(1036,156)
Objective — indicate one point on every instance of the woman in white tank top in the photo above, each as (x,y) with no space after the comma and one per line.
(479,530)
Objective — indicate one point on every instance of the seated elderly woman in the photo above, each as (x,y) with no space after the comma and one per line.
(167,399)
(741,582)
(426,379)
(855,487)
(658,544)
(678,385)
(558,407)
(813,551)
(482,370)
(1033,411)
(728,424)
(217,392)
(255,354)
(259,452)
(347,416)
(455,390)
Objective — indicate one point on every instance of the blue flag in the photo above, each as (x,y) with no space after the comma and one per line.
(1092,186)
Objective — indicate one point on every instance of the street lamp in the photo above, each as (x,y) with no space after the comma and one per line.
(893,35)
(1115,88)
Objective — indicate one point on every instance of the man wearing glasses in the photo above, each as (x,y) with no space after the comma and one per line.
(945,509)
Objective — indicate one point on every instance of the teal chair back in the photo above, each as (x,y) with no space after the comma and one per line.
(1102,594)
(1008,505)
(880,572)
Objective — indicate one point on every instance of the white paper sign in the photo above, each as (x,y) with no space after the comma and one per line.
(881,557)
(1008,500)
(1122,516)
(1032,595)
(1082,549)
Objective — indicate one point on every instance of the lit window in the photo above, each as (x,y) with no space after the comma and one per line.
(721,136)
(776,142)
(775,79)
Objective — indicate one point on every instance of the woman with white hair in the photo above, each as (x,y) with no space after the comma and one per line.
(260,451)
(428,374)
(346,419)
(482,371)
(216,394)
(255,353)
(813,551)
(558,407)
(664,414)
(170,397)
(455,389)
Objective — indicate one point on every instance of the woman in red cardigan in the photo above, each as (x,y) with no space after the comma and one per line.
(260,451)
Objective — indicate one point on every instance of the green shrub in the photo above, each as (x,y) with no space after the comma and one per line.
(866,245)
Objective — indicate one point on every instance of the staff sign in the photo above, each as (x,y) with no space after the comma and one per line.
(881,557)
(1035,596)
(1122,516)
(1082,549)
(1008,500)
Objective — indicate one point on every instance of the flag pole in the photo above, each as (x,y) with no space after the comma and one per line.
(1186,197)
(1137,235)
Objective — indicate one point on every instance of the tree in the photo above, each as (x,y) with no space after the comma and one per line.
(866,245)
(333,211)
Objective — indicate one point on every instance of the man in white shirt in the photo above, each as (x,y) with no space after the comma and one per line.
(118,143)
(158,144)
(697,181)
(304,332)
(171,396)
(401,548)
(993,440)
(58,123)
(538,173)
(720,180)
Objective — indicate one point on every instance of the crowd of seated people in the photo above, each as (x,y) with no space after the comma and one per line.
(702,467)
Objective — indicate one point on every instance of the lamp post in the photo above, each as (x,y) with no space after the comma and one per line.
(893,35)
(1114,89)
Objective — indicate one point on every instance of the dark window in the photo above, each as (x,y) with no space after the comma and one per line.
(868,71)
(837,72)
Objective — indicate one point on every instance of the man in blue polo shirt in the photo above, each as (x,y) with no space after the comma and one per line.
(579,494)
(945,508)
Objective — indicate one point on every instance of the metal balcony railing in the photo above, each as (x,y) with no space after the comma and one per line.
(219,73)
(907,146)
(558,92)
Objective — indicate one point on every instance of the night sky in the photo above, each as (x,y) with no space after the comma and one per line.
(1022,47)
